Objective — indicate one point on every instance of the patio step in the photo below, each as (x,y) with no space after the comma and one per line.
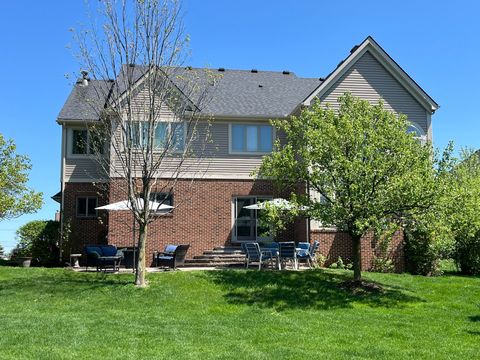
(221,256)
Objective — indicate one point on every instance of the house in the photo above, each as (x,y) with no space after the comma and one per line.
(212,212)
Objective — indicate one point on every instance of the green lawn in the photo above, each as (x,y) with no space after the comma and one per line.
(59,314)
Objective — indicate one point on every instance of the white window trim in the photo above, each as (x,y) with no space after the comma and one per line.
(161,149)
(70,153)
(230,139)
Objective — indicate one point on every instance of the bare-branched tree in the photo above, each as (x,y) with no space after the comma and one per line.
(150,130)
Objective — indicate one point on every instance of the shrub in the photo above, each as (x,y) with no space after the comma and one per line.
(39,239)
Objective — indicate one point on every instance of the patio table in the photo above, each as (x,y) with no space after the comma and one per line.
(104,261)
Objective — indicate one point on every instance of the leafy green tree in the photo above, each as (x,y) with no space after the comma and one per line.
(15,197)
(39,239)
(362,162)
(2,251)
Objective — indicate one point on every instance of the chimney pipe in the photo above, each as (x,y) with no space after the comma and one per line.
(84,77)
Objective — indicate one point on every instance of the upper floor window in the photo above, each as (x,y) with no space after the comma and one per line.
(251,138)
(85,143)
(166,134)
(417,133)
(86,207)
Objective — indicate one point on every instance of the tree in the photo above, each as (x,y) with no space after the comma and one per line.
(141,45)
(360,160)
(2,251)
(39,239)
(15,197)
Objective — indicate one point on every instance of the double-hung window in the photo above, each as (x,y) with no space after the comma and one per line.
(251,138)
(86,143)
(164,198)
(169,135)
(86,207)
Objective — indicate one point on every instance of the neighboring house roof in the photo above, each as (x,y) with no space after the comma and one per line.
(238,93)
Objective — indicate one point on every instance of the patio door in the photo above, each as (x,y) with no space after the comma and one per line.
(247,226)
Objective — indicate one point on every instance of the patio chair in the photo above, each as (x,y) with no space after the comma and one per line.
(254,254)
(287,252)
(172,256)
(303,253)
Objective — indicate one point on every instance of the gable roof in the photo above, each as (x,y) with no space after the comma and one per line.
(234,94)
(239,93)
(370,45)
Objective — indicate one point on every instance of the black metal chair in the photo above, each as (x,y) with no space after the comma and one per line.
(172,259)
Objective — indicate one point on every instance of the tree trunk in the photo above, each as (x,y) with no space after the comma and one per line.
(357,258)
(140,271)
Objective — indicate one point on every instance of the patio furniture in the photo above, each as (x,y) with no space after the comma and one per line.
(303,253)
(287,252)
(102,257)
(255,254)
(74,260)
(172,256)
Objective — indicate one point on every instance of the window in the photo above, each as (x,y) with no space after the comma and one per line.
(251,138)
(86,207)
(164,198)
(84,143)
(166,134)
(417,133)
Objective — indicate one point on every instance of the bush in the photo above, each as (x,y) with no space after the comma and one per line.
(467,254)
(39,239)
(422,255)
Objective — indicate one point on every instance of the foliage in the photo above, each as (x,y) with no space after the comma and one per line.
(365,168)
(463,210)
(39,239)
(15,197)
(382,264)
(340,264)
(2,251)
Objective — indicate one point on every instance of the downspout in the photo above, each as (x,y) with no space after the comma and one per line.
(62,191)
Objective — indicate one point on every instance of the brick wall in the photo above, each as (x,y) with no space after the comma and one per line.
(85,231)
(334,244)
(202,216)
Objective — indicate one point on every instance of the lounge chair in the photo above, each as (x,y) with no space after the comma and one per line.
(103,257)
(287,252)
(254,254)
(172,256)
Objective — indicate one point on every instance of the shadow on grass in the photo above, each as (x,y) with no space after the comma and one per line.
(474,318)
(60,281)
(316,289)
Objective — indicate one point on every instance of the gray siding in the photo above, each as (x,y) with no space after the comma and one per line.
(369,80)
(82,169)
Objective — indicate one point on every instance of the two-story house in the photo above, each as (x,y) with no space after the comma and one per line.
(212,212)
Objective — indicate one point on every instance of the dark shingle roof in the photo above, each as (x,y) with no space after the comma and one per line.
(236,93)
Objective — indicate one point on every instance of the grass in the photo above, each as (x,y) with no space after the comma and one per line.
(59,314)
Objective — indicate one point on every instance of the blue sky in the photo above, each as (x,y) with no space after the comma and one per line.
(436,42)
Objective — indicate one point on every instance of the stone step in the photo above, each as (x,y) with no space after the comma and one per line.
(227,252)
(228,248)
(220,256)
(213,261)
(216,265)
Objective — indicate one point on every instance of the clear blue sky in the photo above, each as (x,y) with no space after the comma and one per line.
(436,42)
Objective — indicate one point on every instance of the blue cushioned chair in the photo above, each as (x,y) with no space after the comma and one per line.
(304,253)
(287,252)
(172,256)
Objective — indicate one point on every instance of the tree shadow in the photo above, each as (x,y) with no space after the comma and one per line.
(474,318)
(317,289)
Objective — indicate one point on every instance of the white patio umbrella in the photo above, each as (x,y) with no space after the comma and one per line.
(126,205)
(280,203)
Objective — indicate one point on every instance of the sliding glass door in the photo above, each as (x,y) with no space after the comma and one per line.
(247,226)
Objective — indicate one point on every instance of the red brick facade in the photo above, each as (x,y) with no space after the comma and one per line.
(202,218)
(335,244)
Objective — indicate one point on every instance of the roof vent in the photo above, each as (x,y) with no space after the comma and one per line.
(286,72)
(260,85)
(84,80)
(131,65)
(188,68)
(354,48)
(321,78)
(221,69)
(254,71)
